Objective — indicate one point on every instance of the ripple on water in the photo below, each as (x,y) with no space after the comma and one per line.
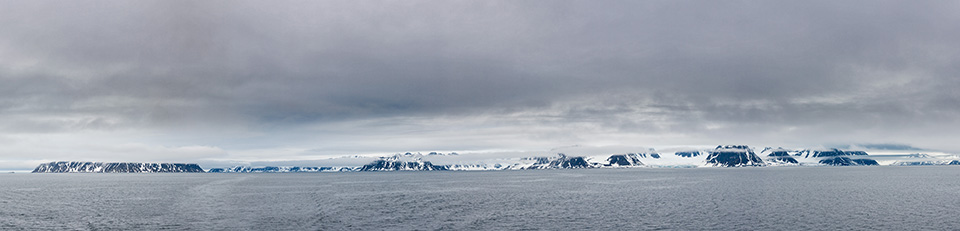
(687,199)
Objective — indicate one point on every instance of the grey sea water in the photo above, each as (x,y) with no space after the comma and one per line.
(782,198)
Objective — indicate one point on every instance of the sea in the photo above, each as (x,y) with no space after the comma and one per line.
(765,198)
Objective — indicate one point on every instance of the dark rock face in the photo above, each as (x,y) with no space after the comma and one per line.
(830,153)
(734,156)
(778,156)
(732,147)
(779,153)
(563,161)
(267,169)
(573,162)
(784,159)
(540,160)
(734,159)
(839,161)
(826,153)
(249,169)
(99,167)
(645,155)
(396,165)
(865,162)
(846,161)
(624,160)
(688,153)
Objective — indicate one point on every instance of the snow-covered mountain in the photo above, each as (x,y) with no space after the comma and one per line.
(419,155)
(689,154)
(651,155)
(561,161)
(846,161)
(402,162)
(919,163)
(476,167)
(834,157)
(733,156)
(100,167)
(566,158)
(399,165)
(624,160)
(778,156)
(829,152)
(247,169)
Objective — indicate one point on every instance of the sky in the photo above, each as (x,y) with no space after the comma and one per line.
(244,81)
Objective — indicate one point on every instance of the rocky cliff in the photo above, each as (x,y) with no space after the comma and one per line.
(733,156)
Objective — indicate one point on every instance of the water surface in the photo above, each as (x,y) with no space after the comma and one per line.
(819,198)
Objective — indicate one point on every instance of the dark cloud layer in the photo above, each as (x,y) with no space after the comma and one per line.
(701,71)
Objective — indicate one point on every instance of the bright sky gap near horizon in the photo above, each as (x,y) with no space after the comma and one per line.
(194,81)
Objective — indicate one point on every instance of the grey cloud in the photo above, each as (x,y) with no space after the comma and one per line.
(680,67)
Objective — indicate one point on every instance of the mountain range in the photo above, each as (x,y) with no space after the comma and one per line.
(100,167)
(720,156)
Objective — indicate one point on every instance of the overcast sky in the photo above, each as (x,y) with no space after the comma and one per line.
(195,81)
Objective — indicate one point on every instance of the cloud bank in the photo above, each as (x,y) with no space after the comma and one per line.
(251,80)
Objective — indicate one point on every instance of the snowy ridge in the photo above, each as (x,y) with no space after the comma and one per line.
(920,163)
(919,155)
(418,155)
(833,157)
(476,167)
(100,167)
(561,161)
(574,157)
(624,160)
(399,165)
(247,169)
(847,161)
(733,156)
(689,154)
(403,162)
(769,151)
(778,157)
(829,152)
